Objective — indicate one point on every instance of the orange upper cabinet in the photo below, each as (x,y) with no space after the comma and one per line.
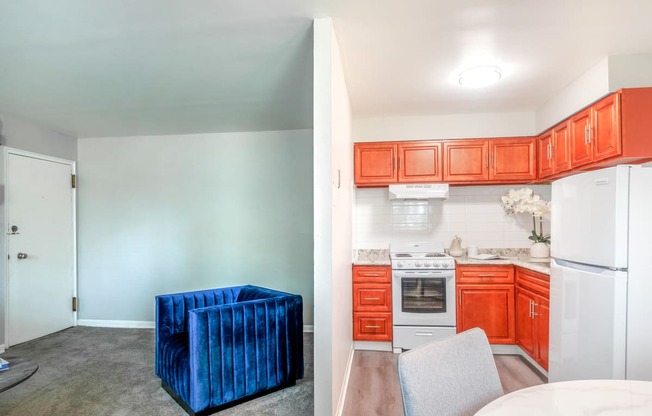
(466,160)
(494,160)
(555,150)
(580,124)
(513,159)
(375,163)
(419,162)
(378,164)
(561,147)
(545,154)
(595,132)
(605,128)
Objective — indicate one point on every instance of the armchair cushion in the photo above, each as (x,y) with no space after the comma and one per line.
(217,346)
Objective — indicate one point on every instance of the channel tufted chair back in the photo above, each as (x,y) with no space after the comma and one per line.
(216,347)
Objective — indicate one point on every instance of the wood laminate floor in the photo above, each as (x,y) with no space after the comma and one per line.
(373,388)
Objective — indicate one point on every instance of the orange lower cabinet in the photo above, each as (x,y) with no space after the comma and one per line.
(490,307)
(372,326)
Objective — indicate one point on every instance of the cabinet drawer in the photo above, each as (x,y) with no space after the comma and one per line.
(371,274)
(485,274)
(372,326)
(534,281)
(372,297)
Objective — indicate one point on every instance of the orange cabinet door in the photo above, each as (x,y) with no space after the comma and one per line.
(490,307)
(369,274)
(513,159)
(605,128)
(372,326)
(466,160)
(419,162)
(482,274)
(372,297)
(542,319)
(580,124)
(545,155)
(525,322)
(561,147)
(374,163)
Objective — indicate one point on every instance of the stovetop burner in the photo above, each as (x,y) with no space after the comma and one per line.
(420,256)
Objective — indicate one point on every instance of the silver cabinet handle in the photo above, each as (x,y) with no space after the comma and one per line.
(371,298)
(587,134)
(372,326)
(534,305)
(531,303)
(486,275)
(22,256)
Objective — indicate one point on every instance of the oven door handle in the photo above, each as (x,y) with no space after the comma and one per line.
(448,274)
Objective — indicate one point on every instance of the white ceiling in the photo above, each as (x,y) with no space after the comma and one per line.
(121,67)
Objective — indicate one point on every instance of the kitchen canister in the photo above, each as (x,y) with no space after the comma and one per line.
(456,247)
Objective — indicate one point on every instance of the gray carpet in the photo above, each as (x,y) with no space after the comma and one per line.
(106,371)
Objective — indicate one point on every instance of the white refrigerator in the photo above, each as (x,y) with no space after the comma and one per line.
(601,275)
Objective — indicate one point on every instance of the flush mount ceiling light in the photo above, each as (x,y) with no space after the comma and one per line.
(479,77)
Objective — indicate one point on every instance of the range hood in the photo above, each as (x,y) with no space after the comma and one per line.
(419,191)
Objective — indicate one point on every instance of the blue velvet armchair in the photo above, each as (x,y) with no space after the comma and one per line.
(218,347)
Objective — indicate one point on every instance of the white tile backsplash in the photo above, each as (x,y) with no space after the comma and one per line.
(473,213)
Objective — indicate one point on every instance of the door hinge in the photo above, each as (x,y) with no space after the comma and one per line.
(74,304)
(73,180)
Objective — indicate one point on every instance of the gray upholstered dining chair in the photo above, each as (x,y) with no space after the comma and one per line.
(454,376)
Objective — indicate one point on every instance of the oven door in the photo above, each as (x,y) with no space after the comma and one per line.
(423,297)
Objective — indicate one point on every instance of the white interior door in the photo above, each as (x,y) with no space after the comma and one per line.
(40,246)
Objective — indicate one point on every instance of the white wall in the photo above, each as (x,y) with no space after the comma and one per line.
(333,167)
(24,135)
(448,126)
(473,213)
(630,71)
(589,87)
(163,214)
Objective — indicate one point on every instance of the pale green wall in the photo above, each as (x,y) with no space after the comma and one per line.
(166,214)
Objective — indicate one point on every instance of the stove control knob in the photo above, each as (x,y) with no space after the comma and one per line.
(437,264)
(417,264)
(399,264)
(427,264)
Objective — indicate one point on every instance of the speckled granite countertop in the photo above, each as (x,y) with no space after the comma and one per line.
(517,257)
(522,261)
(371,257)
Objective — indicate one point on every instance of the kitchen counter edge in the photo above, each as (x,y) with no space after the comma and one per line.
(380,257)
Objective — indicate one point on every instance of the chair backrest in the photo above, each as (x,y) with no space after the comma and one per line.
(454,376)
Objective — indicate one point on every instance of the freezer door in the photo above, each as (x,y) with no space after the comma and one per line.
(588,307)
(589,217)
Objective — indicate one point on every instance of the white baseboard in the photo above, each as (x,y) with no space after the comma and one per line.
(101,323)
(308,328)
(511,349)
(345,384)
(2,348)
(506,349)
(372,346)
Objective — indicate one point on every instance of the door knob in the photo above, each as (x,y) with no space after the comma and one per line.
(22,256)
